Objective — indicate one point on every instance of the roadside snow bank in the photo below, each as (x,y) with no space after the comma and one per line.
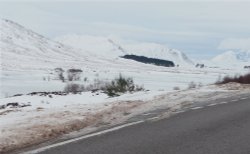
(48,117)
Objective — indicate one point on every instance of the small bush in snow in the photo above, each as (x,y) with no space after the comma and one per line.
(192,85)
(73,88)
(97,85)
(60,72)
(176,88)
(85,79)
(121,85)
(61,77)
(200,65)
(114,88)
(74,74)
(200,85)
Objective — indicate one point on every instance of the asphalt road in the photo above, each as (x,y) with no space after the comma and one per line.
(216,128)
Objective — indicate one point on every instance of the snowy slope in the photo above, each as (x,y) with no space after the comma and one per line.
(22,48)
(159,51)
(107,47)
(93,45)
(233,58)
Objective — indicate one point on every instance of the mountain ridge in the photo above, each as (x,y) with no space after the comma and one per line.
(233,57)
(106,45)
(23,48)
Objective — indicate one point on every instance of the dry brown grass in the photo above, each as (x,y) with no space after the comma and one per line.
(243,79)
(40,133)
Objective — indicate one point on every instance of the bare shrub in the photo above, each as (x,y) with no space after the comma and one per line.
(121,85)
(58,69)
(60,75)
(176,88)
(73,88)
(243,79)
(139,88)
(89,87)
(97,85)
(192,85)
(85,79)
(200,85)
(74,74)
(200,65)
(114,88)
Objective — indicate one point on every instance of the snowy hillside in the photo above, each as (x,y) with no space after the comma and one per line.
(24,49)
(233,58)
(93,45)
(107,47)
(159,51)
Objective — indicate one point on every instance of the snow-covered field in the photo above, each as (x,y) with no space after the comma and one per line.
(151,77)
(48,117)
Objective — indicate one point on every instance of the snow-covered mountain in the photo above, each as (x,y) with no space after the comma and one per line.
(108,47)
(23,48)
(233,58)
(93,45)
(154,50)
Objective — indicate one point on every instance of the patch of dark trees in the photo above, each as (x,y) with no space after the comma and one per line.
(146,60)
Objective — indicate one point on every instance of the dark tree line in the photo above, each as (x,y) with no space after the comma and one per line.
(146,60)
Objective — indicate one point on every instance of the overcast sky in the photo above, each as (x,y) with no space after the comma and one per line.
(200,29)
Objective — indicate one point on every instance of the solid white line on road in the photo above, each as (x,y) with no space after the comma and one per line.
(83,137)
(195,108)
(212,104)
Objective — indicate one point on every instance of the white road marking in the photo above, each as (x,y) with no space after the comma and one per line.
(153,118)
(212,104)
(83,137)
(180,111)
(223,103)
(234,100)
(195,108)
(243,98)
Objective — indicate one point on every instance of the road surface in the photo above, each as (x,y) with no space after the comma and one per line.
(214,128)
